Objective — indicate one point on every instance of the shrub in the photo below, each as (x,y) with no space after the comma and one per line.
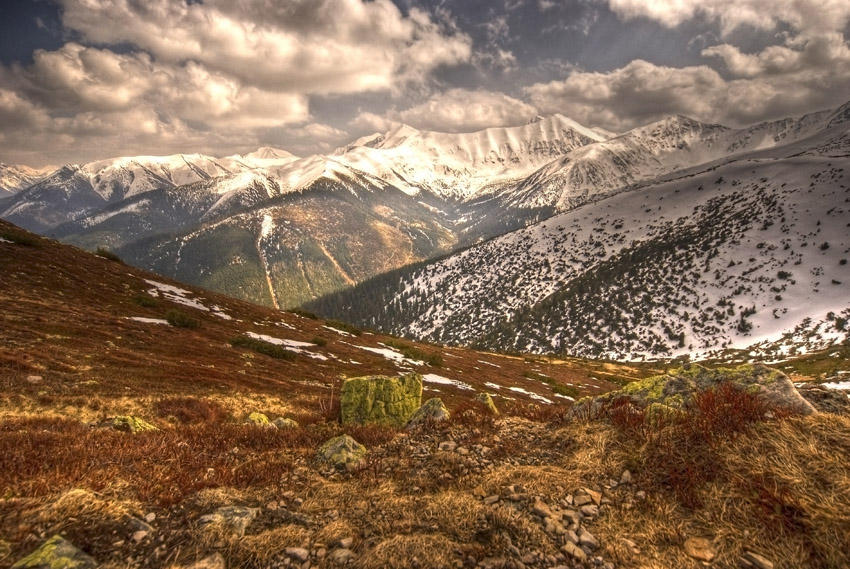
(319,341)
(145,300)
(263,347)
(414,353)
(18,236)
(181,320)
(344,326)
(107,254)
(304,313)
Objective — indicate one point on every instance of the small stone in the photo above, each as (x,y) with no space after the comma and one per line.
(540,508)
(699,548)
(590,511)
(572,537)
(594,495)
(273,506)
(588,539)
(34,378)
(463,451)
(285,423)
(298,553)
(640,495)
(758,561)
(138,536)
(582,500)
(490,500)
(341,556)
(150,517)
(575,552)
(448,446)
(235,518)
(214,561)
(626,477)
(344,543)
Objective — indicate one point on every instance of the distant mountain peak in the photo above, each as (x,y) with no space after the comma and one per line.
(534,119)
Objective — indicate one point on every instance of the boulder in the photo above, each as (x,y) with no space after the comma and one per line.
(826,400)
(487,401)
(432,410)
(342,452)
(285,423)
(234,519)
(259,420)
(670,391)
(380,399)
(130,424)
(56,552)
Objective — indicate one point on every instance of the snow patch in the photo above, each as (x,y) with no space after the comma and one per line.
(147,320)
(434,378)
(530,394)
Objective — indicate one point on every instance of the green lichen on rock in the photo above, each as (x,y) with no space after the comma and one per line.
(674,389)
(487,401)
(380,399)
(285,423)
(342,452)
(56,553)
(259,420)
(432,411)
(131,424)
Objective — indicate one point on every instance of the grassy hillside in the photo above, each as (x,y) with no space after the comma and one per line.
(85,338)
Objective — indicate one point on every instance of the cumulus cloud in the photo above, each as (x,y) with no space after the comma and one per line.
(769,85)
(806,16)
(462,110)
(304,46)
(212,74)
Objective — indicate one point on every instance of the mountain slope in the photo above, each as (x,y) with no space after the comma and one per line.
(738,254)
(15,178)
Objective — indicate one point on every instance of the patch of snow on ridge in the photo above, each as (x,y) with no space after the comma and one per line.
(530,394)
(292,345)
(434,378)
(147,320)
(175,294)
(841,385)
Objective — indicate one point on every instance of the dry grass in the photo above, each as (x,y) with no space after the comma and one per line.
(422,551)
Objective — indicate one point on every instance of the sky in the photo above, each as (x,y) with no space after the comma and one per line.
(82,80)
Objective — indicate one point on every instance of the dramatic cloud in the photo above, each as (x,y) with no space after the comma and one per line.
(775,83)
(460,110)
(303,46)
(823,16)
(213,71)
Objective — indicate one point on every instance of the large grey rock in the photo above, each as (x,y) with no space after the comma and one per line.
(432,411)
(380,399)
(54,553)
(342,452)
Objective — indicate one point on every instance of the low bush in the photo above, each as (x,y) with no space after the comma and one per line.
(414,353)
(181,320)
(344,326)
(262,347)
(145,300)
(108,255)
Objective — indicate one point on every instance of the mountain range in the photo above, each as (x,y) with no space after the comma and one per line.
(666,239)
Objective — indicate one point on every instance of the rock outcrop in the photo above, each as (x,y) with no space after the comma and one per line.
(56,552)
(342,453)
(381,399)
(432,411)
(675,388)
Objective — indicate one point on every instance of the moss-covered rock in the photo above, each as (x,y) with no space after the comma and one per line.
(674,389)
(285,423)
(131,424)
(380,399)
(259,420)
(56,553)
(432,411)
(487,401)
(342,452)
